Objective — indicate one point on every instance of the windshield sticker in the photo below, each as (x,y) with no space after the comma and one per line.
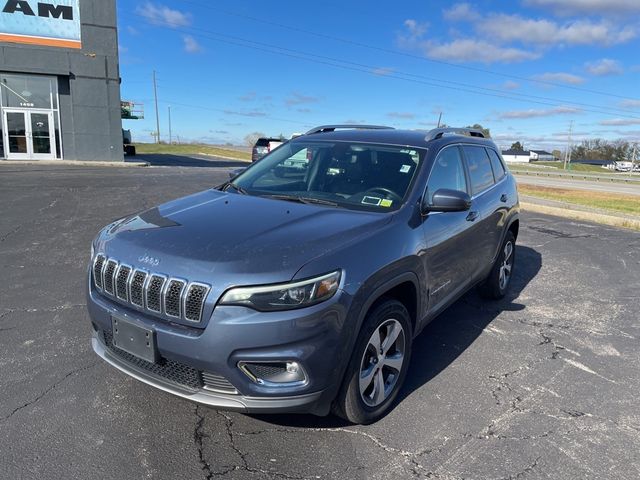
(375,201)
(405,168)
(386,203)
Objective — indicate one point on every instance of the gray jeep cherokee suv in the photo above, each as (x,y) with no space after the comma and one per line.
(302,291)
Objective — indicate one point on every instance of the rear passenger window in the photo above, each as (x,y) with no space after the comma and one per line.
(496,163)
(447,172)
(479,168)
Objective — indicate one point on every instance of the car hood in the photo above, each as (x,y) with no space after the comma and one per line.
(237,239)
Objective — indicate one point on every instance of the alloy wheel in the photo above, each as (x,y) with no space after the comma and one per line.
(382,363)
(507,264)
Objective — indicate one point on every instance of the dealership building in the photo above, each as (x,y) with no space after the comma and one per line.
(59,81)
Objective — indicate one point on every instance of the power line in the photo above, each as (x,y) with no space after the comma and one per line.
(415,78)
(405,54)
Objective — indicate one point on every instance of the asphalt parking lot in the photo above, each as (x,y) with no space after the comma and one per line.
(544,384)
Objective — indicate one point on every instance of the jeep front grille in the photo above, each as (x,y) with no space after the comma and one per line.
(194,301)
(109,273)
(136,290)
(148,291)
(154,293)
(98,265)
(122,283)
(172,298)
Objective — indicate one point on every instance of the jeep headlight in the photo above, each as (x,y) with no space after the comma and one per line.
(285,296)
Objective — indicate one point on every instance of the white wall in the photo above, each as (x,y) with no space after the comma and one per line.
(516,158)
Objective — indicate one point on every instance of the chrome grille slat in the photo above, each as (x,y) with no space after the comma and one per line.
(217,383)
(173,298)
(136,288)
(194,301)
(98,265)
(154,292)
(122,282)
(108,276)
(149,291)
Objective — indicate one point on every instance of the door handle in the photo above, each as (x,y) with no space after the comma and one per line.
(472,216)
(504,198)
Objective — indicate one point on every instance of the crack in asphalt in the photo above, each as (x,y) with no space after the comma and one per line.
(10,310)
(198,436)
(48,390)
(10,232)
(547,340)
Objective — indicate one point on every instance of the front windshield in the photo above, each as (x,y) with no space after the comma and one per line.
(342,174)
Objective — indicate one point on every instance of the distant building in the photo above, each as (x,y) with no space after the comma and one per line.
(527,156)
(516,156)
(541,156)
(59,81)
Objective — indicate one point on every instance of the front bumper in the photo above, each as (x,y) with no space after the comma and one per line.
(301,403)
(316,337)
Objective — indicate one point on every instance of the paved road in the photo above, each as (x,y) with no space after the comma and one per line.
(612,187)
(541,385)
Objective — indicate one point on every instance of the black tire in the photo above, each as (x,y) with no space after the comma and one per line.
(493,287)
(349,404)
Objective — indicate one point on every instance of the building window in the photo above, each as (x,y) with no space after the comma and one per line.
(21,91)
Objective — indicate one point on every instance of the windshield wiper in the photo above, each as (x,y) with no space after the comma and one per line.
(300,199)
(237,188)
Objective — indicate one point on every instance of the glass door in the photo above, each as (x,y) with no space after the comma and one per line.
(42,145)
(28,135)
(16,135)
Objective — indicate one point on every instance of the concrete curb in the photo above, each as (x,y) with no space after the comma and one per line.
(567,212)
(73,163)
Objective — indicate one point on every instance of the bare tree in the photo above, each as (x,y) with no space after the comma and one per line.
(252,138)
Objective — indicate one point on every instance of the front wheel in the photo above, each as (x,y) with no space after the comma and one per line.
(378,365)
(497,283)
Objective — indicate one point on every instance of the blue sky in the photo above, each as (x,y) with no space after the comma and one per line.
(526,69)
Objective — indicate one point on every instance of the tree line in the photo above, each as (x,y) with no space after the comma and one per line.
(599,149)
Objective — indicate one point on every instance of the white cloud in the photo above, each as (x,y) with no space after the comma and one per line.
(469,50)
(401,115)
(191,45)
(461,12)
(620,122)
(532,113)
(603,67)
(588,7)
(514,28)
(415,29)
(630,103)
(300,99)
(161,15)
(510,85)
(383,71)
(560,77)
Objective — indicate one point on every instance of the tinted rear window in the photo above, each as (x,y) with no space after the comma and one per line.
(496,163)
(479,168)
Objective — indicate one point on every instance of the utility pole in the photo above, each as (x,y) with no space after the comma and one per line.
(170,136)
(155,94)
(439,120)
(567,154)
(633,159)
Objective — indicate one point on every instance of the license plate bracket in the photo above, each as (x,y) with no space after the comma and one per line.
(134,339)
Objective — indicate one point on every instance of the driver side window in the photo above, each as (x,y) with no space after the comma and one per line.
(447,172)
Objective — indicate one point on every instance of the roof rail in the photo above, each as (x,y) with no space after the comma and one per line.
(332,128)
(440,132)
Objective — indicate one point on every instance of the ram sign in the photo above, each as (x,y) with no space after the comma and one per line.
(53,23)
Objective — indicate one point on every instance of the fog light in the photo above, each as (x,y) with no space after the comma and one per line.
(285,374)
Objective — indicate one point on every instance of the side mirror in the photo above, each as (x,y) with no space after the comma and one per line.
(445,200)
(235,172)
